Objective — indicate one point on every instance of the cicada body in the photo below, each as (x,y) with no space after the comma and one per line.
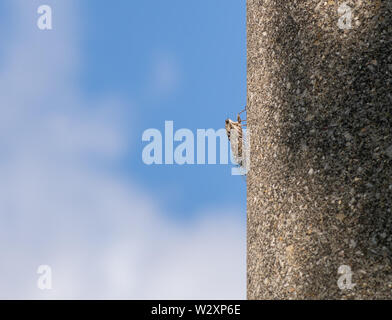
(235,135)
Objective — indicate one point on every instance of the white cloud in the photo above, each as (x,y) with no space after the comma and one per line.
(103,236)
(166,73)
(164,76)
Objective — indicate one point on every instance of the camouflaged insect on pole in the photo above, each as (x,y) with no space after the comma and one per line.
(235,135)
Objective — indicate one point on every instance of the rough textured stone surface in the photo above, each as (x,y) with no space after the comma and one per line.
(320,116)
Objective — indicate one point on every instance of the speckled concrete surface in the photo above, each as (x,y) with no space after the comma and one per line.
(320,116)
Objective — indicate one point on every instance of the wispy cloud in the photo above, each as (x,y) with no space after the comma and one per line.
(165,74)
(103,236)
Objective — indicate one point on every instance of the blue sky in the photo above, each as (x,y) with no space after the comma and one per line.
(205,43)
(75,194)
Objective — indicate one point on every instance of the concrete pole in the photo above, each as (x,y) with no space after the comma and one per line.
(320,116)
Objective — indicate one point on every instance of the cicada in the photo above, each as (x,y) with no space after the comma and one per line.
(235,134)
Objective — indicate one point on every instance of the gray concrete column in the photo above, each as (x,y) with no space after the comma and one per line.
(320,116)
